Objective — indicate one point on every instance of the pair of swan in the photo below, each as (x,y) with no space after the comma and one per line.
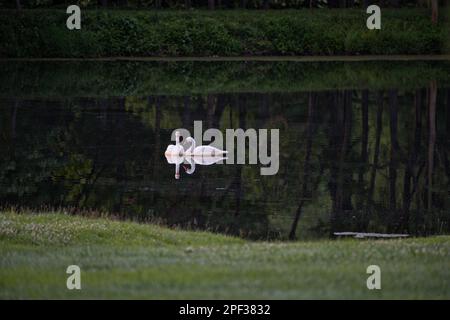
(203,155)
(193,151)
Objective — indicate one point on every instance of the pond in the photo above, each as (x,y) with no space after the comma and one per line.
(364,146)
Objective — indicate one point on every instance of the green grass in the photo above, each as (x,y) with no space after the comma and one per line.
(130,260)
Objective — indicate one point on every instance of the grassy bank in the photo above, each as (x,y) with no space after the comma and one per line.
(128,260)
(43,33)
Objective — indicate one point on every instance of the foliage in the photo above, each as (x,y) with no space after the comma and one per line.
(222,4)
(43,33)
(141,78)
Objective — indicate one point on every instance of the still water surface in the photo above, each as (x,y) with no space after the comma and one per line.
(354,158)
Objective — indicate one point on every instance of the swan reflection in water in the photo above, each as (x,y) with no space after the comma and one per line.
(201,155)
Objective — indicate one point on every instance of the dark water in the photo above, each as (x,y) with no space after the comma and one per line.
(351,158)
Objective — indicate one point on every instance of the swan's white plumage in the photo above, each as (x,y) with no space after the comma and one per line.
(202,155)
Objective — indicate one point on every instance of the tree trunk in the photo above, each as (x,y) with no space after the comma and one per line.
(104,3)
(444,150)
(211,4)
(376,154)
(187,4)
(417,146)
(364,153)
(341,181)
(434,11)
(157,135)
(238,174)
(409,170)
(447,111)
(394,152)
(14,119)
(431,139)
(18,5)
(306,167)
(364,135)
(266,4)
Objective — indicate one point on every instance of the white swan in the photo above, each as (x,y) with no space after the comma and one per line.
(208,160)
(202,151)
(201,160)
(175,154)
(175,149)
(202,155)
(177,160)
(191,162)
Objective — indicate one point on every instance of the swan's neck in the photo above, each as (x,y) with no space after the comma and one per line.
(177,138)
(192,164)
(192,147)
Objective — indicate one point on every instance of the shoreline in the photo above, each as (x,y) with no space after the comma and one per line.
(362,58)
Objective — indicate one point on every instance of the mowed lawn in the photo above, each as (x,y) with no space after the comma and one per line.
(130,260)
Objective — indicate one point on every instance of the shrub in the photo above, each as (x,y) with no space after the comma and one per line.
(43,33)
